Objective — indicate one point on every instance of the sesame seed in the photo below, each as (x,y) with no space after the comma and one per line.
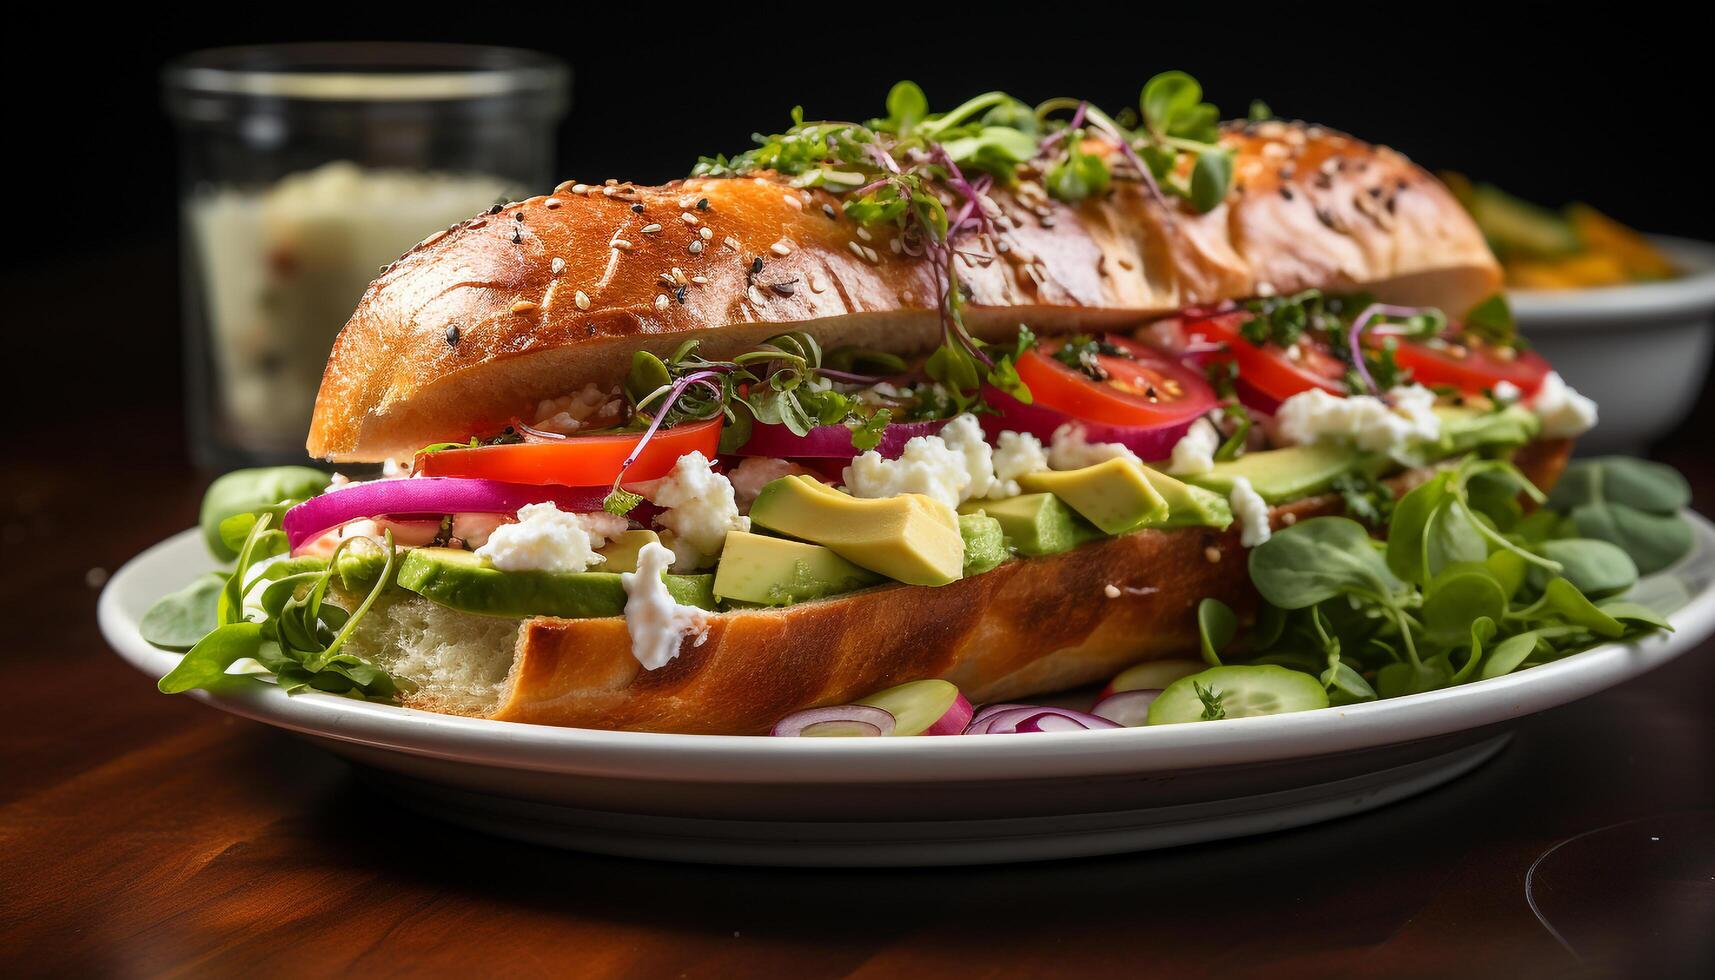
(702,204)
(517,216)
(1289,518)
(666,280)
(678,276)
(552,203)
(611,181)
(637,209)
(863,233)
(870,254)
(686,202)
(755,296)
(856,249)
(557,265)
(731,243)
(785,288)
(661,301)
(621,244)
(696,247)
(494,209)
(780,248)
(756,265)
(609,191)
(896,245)
(523,306)
(796,204)
(580,188)
(583,300)
(1212,554)
(679,294)
(687,217)
(706,232)
(700,280)
(453,335)
(566,185)
(828,209)
(1111,590)
(651,229)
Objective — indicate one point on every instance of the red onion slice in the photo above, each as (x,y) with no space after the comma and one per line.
(1127,708)
(954,721)
(428,495)
(837,720)
(830,441)
(1026,718)
(1148,442)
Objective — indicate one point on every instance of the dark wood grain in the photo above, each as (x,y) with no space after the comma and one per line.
(147,835)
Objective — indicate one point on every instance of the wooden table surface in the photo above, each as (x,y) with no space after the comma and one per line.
(142,834)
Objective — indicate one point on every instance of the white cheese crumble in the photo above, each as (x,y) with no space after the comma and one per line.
(1194,453)
(964,435)
(1015,454)
(655,621)
(926,466)
(1251,511)
(1564,412)
(568,413)
(755,472)
(700,510)
(547,539)
(1372,424)
(1506,392)
(1071,450)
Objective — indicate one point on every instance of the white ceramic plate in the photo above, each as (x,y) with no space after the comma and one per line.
(916,801)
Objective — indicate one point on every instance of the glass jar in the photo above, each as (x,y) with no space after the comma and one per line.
(305,168)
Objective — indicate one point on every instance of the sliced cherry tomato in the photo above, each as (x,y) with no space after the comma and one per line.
(1143,387)
(1275,372)
(1471,366)
(577,461)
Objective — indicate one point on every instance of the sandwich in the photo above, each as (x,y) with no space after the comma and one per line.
(1008,398)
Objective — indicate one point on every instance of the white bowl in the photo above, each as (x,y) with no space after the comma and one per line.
(1641,351)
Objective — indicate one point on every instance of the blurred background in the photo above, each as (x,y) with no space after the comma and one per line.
(1552,106)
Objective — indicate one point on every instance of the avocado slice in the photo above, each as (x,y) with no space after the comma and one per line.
(1464,429)
(1035,524)
(1279,475)
(620,554)
(460,580)
(1187,505)
(772,571)
(985,543)
(911,538)
(1114,495)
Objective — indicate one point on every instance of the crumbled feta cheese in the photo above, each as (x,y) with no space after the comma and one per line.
(1070,449)
(547,539)
(1564,412)
(1506,392)
(881,395)
(1372,424)
(1194,453)
(755,472)
(474,529)
(700,510)
(1015,454)
(655,621)
(1251,511)
(568,413)
(927,466)
(964,435)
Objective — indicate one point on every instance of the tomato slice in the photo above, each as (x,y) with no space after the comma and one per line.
(1471,365)
(1145,388)
(577,461)
(1277,373)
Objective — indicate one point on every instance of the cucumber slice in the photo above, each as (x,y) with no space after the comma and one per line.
(918,705)
(1242,693)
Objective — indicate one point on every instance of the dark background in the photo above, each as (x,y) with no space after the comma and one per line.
(1608,107)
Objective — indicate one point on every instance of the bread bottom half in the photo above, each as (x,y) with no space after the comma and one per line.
(1029,627)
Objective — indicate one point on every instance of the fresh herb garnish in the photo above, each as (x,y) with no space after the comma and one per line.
(1079,352)
(929,175)
(1213,708)
(1366,497)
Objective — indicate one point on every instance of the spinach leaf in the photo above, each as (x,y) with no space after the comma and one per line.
(1508,654)
(1570,604)
(207,662)
(253,491)
(1594,567)
(1654,541)
(1650,487)
(1318,559)
(179,619)
(1216,626)
(1460,596)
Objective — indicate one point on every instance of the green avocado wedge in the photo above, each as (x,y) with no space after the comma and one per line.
(772,571)
(1280,475)
(462,581)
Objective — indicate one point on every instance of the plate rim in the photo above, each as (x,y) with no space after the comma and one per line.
(757,759)
(1690,295)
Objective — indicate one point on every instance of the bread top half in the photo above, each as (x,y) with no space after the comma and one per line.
(480,322)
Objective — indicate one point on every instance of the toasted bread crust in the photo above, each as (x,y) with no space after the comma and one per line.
(1029,627)
(480,322)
